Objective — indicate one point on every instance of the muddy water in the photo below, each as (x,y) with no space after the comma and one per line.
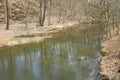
(68,57)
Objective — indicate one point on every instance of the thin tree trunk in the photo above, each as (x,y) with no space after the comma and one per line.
(44,12)
(40,13)
(6,14)
(60,16)
(107,13)
(27,14)
(49,19)
(117,24)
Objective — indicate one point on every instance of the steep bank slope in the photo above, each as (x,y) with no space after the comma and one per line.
(110,64)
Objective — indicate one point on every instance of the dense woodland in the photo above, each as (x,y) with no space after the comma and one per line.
(50,12)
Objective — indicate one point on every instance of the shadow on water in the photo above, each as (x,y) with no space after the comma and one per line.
(74,55)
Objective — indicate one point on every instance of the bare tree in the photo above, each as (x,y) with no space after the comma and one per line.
(42,14)
(50,7)
(6,14)
(27,13)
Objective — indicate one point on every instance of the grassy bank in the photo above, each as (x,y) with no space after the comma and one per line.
(18,36)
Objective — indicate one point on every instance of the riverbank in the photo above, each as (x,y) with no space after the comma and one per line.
(18,35)
(110,64)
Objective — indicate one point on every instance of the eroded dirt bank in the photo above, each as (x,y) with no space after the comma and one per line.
(18,35)
(110,64)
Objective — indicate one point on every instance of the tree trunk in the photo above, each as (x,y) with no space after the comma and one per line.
(107,15)
(49,19)
(44,12)
(6,14)
(40,13)
(27,14)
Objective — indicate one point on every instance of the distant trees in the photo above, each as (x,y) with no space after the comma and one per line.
(46,11)
(112,17)
(108,12)
(61,11)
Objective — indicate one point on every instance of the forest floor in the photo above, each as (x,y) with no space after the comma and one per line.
(17,34)
(110,64)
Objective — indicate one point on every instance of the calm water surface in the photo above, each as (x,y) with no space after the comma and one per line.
(68,57)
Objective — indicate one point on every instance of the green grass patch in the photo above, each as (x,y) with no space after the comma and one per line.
(104,52)
(116,78)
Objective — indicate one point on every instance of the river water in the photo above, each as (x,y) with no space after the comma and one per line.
(67,57)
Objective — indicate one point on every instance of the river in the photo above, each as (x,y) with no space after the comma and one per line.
(67,57)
